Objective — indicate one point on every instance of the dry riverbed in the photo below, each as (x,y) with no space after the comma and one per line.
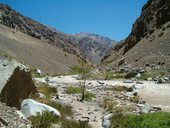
(152,93)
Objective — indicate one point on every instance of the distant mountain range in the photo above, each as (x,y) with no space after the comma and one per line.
(94,46)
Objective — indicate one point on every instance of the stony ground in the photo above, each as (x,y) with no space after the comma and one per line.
(154,94)
(91,111)
(11,118)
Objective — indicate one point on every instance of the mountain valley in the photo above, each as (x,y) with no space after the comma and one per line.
(50,79)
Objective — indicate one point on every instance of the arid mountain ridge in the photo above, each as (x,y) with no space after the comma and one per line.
(147,46)
(80,46)
(154,14)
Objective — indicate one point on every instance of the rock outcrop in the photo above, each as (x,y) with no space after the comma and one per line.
(19,87)
(147,46)
(154,14)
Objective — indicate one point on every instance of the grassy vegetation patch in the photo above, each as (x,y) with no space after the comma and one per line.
(75,124)
(112,106)
(114,75)
(146,75)
(76,70)
(89,96)
(122,88)
(43,120)
(65,110)
(108,104)
(76,90)
(155,120)
(109,75)
(73,90)
(47,90)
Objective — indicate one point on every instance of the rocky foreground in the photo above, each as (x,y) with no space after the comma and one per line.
(111,96)
(12,118)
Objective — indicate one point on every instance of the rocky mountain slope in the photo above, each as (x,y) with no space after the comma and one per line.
(69,43)
(94,46)
(17,21)
(154,14)
(148,43)
(34,52)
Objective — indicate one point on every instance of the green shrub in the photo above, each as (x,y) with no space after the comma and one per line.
(73,90)
(155,120)
(43,120)
(75,124)
(47,90)
(89,96)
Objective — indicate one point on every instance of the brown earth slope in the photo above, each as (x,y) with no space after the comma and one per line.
(34,52)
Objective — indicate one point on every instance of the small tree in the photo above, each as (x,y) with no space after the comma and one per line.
(86,68)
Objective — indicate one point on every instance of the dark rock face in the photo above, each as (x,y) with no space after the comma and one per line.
(19,87)
(154,14)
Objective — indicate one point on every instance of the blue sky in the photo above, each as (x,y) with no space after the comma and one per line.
(110,18)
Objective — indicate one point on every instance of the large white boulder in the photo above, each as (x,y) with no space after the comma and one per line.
(31,107)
